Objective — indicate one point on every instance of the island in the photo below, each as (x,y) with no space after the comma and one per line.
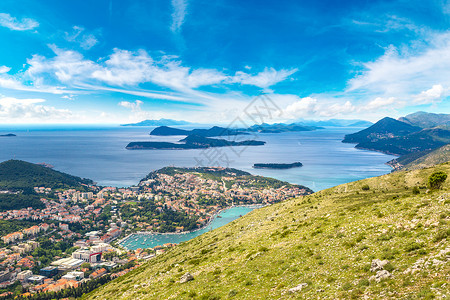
(160,122)
(191,142)
(213,131)
(8,135)
(277,166)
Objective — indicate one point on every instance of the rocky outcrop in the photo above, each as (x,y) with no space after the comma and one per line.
(186,277)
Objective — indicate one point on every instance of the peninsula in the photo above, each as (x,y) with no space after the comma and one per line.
(277,166)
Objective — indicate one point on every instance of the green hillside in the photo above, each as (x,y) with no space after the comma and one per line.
(17,174)
(20,177)
(438,156)
(325,245)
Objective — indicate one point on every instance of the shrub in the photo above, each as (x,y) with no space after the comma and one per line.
(415,190)
(437,179)
(413,246)
(365,187)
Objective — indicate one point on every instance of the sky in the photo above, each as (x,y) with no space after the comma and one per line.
(122,61)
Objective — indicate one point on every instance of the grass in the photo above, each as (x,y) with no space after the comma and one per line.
(326,240)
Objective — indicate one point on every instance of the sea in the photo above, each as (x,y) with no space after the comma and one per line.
(99,153)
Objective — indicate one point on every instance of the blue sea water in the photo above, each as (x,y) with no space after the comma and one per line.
(143,241)
(100,154)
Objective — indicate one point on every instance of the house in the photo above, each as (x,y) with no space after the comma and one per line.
(98,273)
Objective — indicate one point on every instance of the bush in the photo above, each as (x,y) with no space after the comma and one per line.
(415,190)
(365,187)
(437,179)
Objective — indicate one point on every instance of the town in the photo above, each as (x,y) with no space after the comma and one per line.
(74,238)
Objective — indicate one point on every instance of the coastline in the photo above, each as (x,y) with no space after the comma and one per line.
(211,219)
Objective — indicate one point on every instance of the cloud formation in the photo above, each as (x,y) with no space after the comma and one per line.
(6,20)
(20,110)
(178,14)
(79,36)
(430,96)
(124,71)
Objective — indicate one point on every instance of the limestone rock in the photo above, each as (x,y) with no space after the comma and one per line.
(298,288)
(378,265)
(186,277)
(381,275)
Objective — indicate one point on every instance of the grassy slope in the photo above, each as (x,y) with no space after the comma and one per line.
(437,156)
(326,240)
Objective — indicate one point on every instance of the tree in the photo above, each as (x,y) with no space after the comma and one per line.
(437,179)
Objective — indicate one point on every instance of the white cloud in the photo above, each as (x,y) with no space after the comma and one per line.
(264,79)
(6,20)
(178,15)
(134,106)
(379,102)
(405,72)
(312,107)
(301,108)
(26,110)
(78,35)
(431,95)
(129,69)
(68,66)
(4,69)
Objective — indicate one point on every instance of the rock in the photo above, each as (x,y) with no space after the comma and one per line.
(378,264)
(437,262)
(298,288)
(186,277)
(381,275)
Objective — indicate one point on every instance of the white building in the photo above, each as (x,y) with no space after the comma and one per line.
(24,275)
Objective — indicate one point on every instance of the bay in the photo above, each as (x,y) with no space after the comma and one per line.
(144,240)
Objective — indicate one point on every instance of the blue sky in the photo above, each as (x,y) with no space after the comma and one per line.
(111,61)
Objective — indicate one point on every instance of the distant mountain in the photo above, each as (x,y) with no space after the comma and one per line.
(160,122)
(336,123)
(426,120)
(213,131)
(383,129)
(280,127)
(361,124)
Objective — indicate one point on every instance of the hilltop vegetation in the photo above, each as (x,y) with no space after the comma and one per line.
(19,175)
(383,237)
(18,178)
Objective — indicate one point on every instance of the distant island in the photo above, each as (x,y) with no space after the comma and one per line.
(222,131)
(213,131)
(160,122)
(7,135)
(191,142)
(281,127)
(277,166)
